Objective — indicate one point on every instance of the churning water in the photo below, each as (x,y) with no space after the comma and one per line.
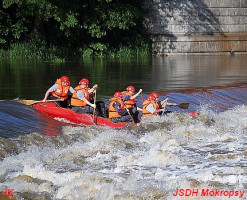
(149,161)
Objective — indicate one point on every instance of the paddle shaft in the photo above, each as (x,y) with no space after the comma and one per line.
(31,102)
(163,112)
(94,104)
(130,115)
(142,98)
(181,105)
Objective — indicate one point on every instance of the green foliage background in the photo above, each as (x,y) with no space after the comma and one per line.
(56,29)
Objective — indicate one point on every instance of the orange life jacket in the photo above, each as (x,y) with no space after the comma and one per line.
(112,111)
(62,92)
(145,112)
(75,101)
(129,103)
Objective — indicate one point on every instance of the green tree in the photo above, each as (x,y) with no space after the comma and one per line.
(77,24)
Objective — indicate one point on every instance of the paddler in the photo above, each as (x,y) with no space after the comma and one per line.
(163,104)
(152,106)
(129,99)
(100,105)
(60,90)
(117,110)
(80,100)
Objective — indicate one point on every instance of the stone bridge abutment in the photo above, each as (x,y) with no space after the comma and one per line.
(197,26)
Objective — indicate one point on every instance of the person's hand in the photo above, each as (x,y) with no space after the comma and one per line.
(162,110)
(44,100)
(93,105)
(95,86)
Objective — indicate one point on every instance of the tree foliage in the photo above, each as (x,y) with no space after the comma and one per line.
(79,24)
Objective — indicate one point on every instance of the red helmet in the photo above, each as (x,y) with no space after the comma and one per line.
(85,81)
(118,95)
(64,79)
(131,88)
(151,97)
(155,94)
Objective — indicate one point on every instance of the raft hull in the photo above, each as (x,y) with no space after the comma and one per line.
(53,111)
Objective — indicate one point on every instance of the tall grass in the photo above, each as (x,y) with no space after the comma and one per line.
(143,49)
(38,49)
(35,48)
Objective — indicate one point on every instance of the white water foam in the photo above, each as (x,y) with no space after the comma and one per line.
(147,162)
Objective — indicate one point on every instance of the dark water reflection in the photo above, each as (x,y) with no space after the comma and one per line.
(197,71)
(30,79)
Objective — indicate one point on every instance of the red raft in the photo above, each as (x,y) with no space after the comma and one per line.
(52,110)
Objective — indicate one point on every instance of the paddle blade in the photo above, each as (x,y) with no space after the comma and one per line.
(27,102)
(183,105)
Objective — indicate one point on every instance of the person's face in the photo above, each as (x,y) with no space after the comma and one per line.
(83,85)
(65,84)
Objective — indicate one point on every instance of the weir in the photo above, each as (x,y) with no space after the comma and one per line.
(197,26)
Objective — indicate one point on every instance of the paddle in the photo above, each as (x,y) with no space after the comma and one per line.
(163,112)
(183,105)
(95,106)
(31,102)
(130,115)
(142,98)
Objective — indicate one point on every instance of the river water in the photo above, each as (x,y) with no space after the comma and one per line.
(45,158)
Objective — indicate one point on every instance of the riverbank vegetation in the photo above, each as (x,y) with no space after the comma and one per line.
(59,29)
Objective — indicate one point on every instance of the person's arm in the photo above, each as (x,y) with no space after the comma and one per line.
(50,90)
(81,96)
(164,103)
(135,95)
(126,97)
(88,103)
(117,106)
(46,95)
(71,90)
(93,89)
(171,104)
(139,109)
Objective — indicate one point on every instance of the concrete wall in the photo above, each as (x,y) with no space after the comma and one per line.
(197,26)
